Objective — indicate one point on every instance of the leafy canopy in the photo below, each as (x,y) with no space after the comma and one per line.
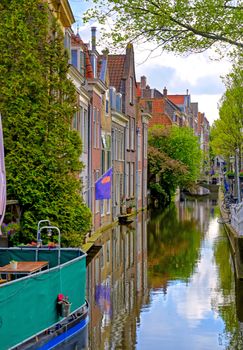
(37,102)
(227,131)
(180,26)
(174,160)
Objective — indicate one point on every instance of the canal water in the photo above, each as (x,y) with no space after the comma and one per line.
(166,281)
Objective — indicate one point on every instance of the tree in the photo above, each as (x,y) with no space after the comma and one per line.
(174,160)
(37,102)
(180,26)
(226,132)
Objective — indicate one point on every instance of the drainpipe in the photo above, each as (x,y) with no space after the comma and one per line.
(113,207)
(143,162)
(137,174)
(90,159)
(125,161)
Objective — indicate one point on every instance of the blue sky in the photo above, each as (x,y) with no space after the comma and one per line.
(197,73)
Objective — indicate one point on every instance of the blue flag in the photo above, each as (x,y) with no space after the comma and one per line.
(103,186)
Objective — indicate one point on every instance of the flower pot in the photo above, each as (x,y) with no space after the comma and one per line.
(65,307)
(14,265)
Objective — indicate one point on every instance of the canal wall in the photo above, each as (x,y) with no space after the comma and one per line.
(236,241)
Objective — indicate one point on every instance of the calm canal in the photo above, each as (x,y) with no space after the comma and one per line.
(165,282)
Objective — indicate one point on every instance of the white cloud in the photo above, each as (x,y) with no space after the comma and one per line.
(198,73)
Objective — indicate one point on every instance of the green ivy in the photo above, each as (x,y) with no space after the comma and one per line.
(37,102)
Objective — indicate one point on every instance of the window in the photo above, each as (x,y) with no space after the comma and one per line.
(148,106)
(132,133)
(97,202)
(131,90)
(131,179)
(107,101)
(139,185)
(108,159)
(74,58)
(94,65)
(95,126)
(75,121)
(102,211)
(108,209)
(139,147)
(122,146)
(145,139)
(103,161)
(82,63)
(113,140)
(86,131)
(127,179)
(98,129)
(128,135)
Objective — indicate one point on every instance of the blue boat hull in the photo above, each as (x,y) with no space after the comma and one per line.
(70,333)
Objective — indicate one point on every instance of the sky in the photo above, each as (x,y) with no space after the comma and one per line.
(199,73)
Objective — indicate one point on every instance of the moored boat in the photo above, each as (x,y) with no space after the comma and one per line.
(42,298)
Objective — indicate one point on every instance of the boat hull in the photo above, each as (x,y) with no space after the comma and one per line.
(64,335)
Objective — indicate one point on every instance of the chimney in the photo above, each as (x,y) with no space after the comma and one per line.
(93,38)
(165,91)
(143,82)
(187,91)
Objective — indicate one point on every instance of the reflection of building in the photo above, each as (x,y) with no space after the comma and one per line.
(195,210)
(116,282)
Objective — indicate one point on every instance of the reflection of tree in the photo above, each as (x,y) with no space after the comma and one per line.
(225,305)
(173,247)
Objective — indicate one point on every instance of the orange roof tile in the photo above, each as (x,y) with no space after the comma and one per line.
(177,99)
(116,69)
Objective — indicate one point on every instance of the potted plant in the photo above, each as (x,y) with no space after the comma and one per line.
(230,174)
(64,305)
(130,206)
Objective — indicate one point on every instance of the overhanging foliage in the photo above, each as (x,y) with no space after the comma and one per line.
(37,102)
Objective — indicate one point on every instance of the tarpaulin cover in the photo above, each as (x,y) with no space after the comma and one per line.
(27,306)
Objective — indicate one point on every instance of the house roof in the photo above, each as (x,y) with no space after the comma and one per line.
(116,69)
(177,99)
(77,41)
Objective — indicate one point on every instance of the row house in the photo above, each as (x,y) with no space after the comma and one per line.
(122,78)
(187,109)
(129,134)
(93,121)
(112,126)
(118,130)
(109,119)
(162,110)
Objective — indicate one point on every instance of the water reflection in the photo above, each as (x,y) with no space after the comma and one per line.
(117,286)
(166,282)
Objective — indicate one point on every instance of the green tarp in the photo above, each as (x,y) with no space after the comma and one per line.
(28,305)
